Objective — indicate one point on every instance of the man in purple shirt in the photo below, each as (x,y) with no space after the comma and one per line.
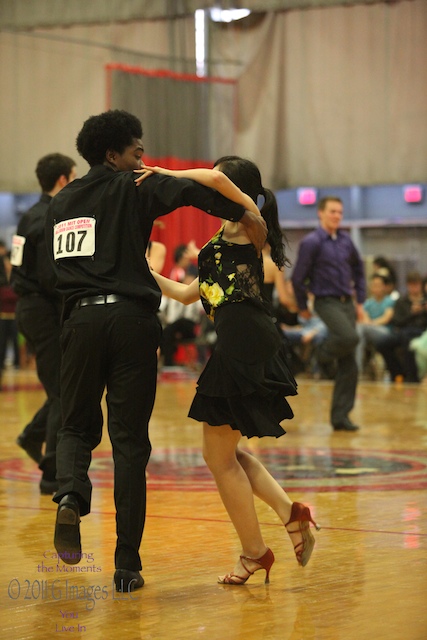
(330,266)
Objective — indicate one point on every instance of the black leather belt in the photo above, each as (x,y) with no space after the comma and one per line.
(108,298)
(340,298)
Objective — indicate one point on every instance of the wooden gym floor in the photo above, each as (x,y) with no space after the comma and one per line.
(367,579)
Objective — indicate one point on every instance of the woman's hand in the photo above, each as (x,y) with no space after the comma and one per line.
(147,171)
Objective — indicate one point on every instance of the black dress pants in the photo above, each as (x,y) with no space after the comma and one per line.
(38,320)
(112,346)
(35,430)
(339,345)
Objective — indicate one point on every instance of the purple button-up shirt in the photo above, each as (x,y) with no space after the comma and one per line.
(328,266)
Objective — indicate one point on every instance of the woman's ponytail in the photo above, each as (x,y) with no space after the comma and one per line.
(275,235)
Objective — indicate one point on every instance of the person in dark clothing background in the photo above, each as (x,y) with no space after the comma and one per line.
(8,330)
(409,321)
(3,253)
(97,230)
(38,313)
(329,265)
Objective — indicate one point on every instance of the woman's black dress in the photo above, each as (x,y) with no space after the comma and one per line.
(246,379)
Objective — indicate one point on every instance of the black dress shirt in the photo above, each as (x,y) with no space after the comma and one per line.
(123,217)
(35,274)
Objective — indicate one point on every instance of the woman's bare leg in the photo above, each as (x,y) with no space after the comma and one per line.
(239,476)
(219,451)
(264,486)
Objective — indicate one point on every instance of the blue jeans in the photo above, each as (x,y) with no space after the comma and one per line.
(369,334)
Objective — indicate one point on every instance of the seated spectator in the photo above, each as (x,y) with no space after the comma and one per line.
(181,323)
(409,321)
(287,310)
(419,347)
(8,326)
(184,256)
(384,268)
(308,333)
(377,315)
(3,254)
(278,292)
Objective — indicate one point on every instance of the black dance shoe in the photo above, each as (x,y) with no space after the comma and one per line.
(31,448)
(67,530)
(345,425)
(126,580)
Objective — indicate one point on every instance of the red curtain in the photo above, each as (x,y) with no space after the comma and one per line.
(182,225)
(188,122)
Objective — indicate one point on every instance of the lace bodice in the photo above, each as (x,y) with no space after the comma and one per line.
(228,272)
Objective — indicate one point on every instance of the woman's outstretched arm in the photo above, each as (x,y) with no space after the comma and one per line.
(185,293)
(212,178)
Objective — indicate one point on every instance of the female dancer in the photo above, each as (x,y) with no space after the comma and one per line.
(243,386)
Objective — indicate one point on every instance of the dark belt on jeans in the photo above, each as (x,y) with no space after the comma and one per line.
(340,298)
(108,298)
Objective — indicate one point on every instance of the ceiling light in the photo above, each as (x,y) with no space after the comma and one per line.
(227,15)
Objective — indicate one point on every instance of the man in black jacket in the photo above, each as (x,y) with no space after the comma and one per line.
(409,321)
(98,229)
(38,313)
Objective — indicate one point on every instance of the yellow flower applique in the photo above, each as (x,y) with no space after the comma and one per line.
(214,294)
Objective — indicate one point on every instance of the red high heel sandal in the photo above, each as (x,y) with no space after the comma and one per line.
(300,513)
(265,562)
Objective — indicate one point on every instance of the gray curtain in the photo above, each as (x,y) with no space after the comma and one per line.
(24,14)
(184,118)
(325,96)
(332,96)
(51,80)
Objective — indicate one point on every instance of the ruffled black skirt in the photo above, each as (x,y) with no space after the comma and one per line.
(247,378)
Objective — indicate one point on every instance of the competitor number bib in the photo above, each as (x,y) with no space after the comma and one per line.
(17,250)
(74,238)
